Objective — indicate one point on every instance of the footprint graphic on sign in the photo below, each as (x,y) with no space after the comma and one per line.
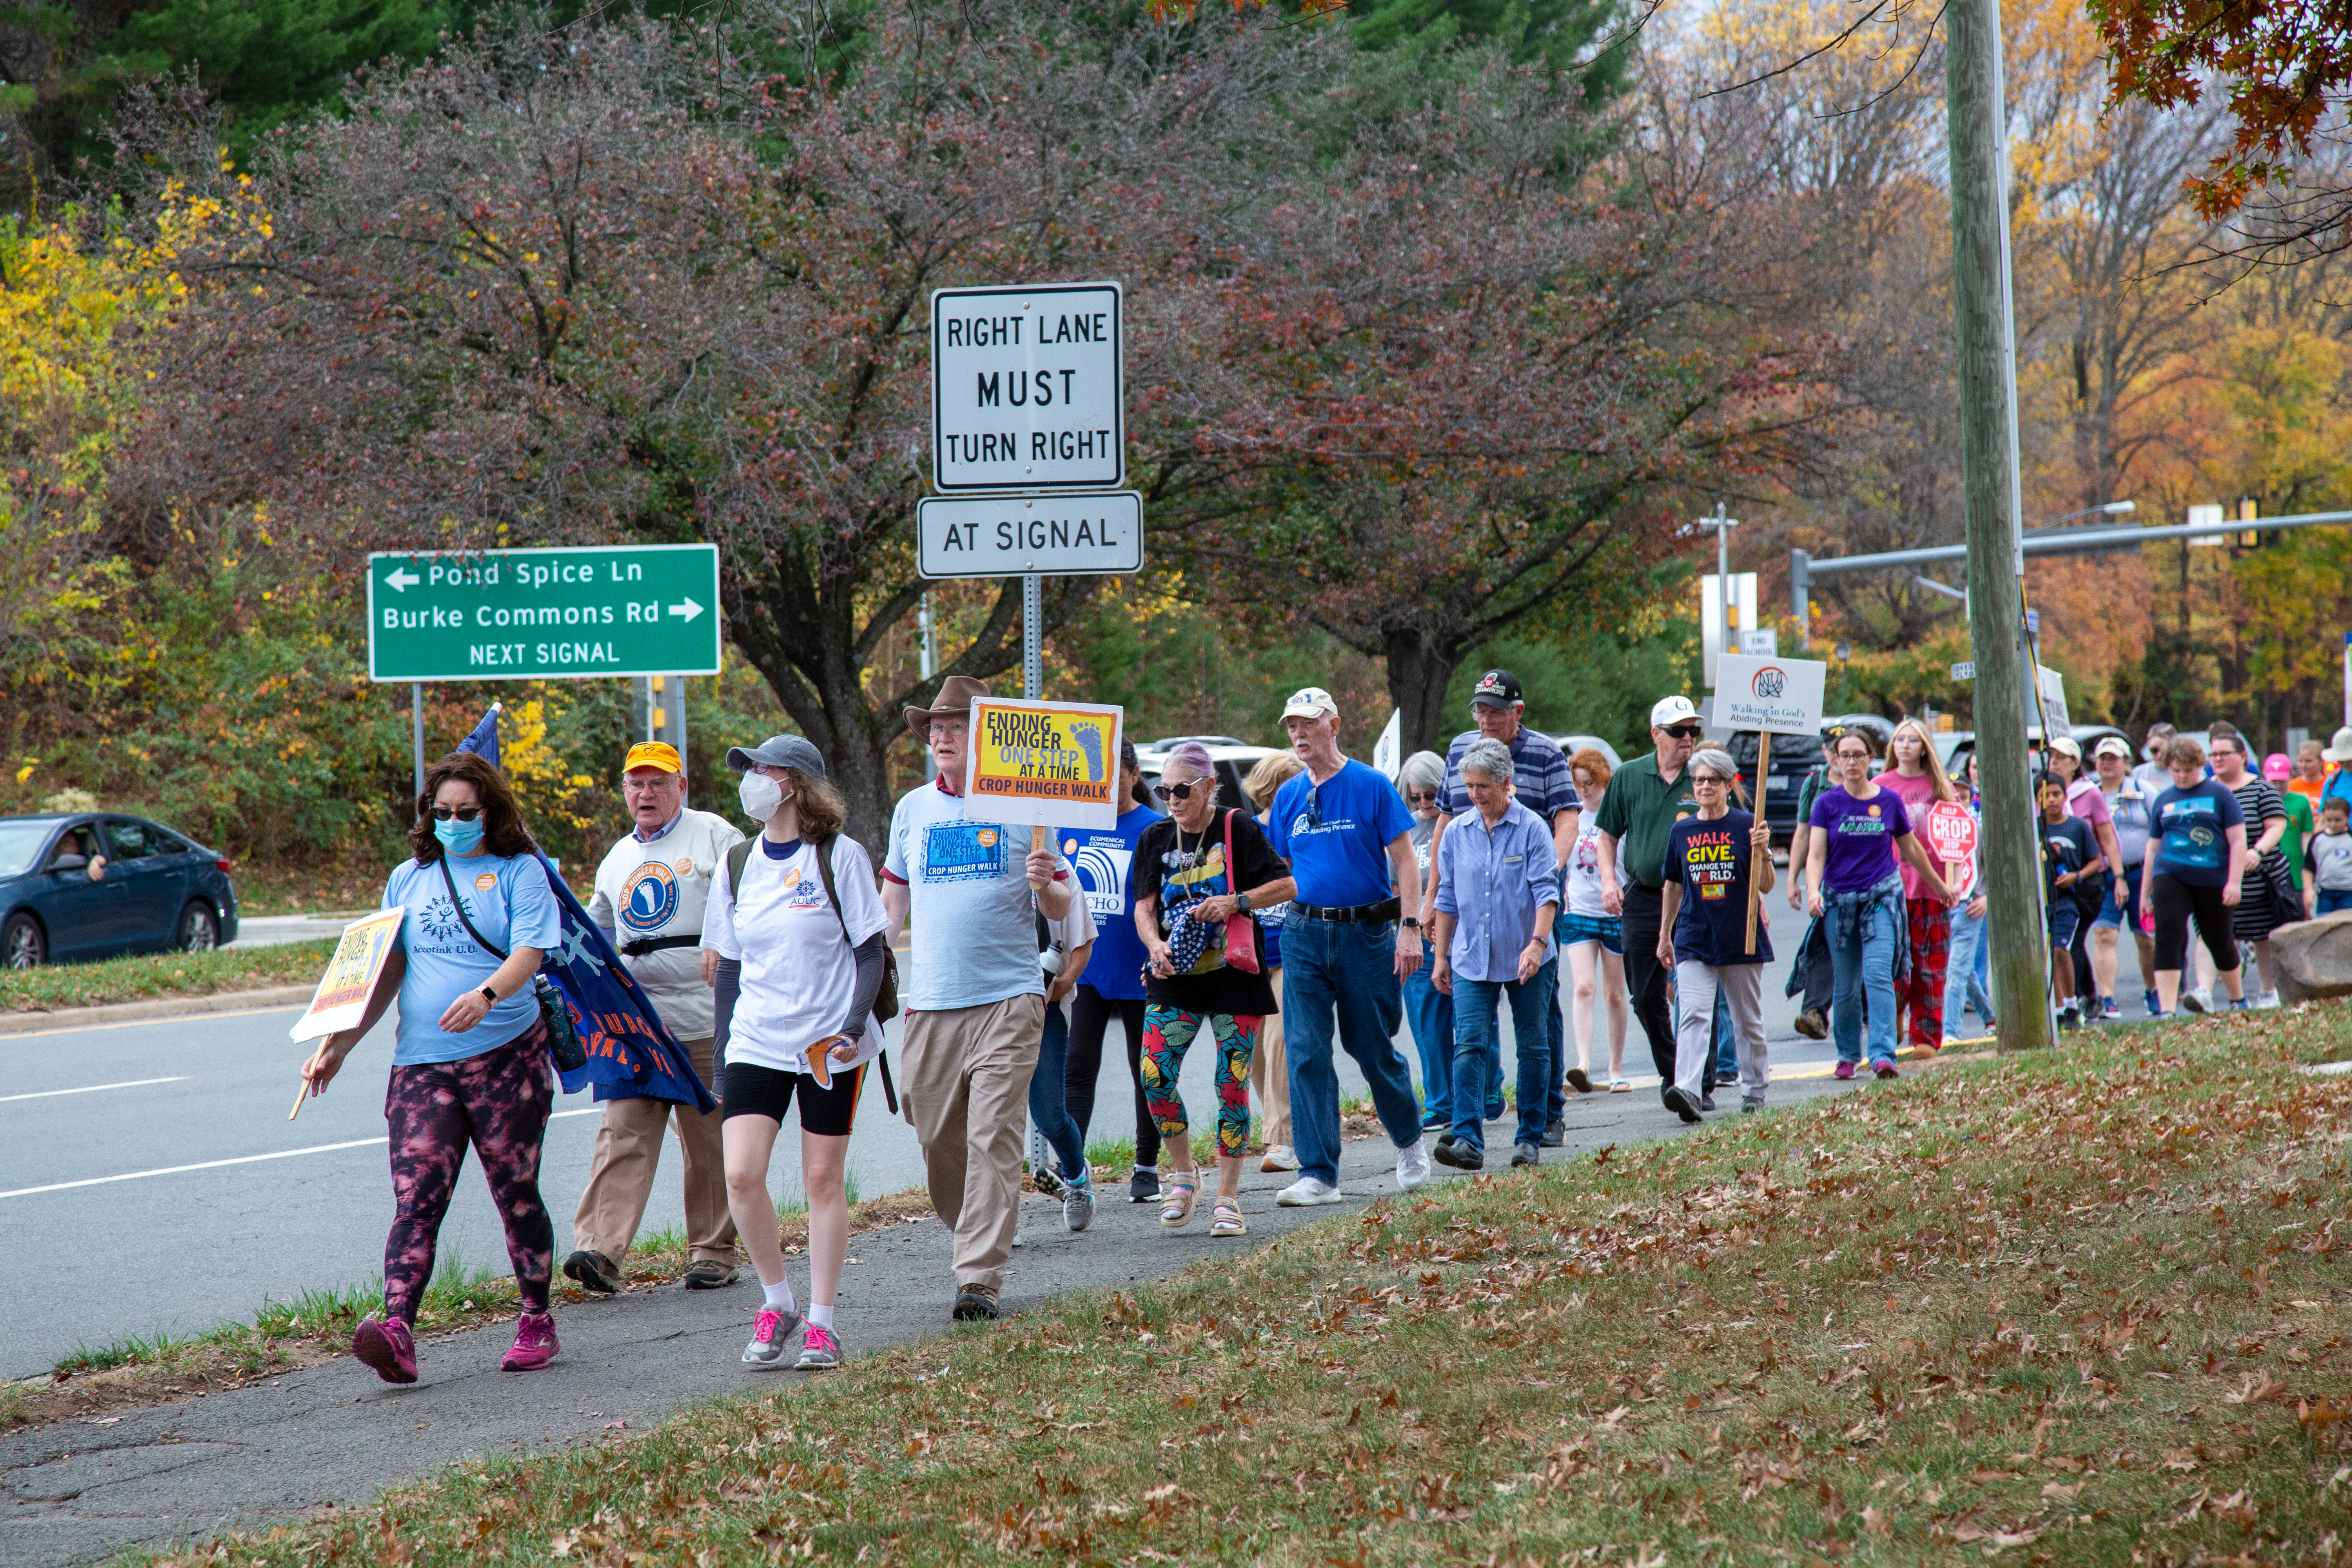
(1090,742)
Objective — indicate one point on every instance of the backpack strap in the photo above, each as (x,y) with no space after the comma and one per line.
(738,854)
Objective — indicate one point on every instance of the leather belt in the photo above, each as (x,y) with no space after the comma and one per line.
(1386,910)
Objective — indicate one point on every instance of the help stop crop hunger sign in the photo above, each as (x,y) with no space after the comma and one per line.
(1951,833)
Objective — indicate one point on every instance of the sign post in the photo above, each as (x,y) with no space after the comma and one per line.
(1769,696)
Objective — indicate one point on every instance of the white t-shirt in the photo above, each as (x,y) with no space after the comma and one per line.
(1584,868)
(646,889)
(799,975)
(969,912)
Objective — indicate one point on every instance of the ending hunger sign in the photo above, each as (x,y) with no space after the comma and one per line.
(1052,764)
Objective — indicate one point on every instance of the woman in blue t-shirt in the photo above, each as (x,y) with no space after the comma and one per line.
(1112,985)
(471,1061)
(2195,853)
(1857,829)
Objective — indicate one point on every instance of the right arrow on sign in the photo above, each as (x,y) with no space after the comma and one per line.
(686,611)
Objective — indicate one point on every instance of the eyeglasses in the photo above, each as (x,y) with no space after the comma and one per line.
(1421,797)
(1682,732)
(1180,791)
(1709,779)
(462,813)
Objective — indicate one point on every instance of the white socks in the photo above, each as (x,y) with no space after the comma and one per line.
(780,1295)
(821,1314)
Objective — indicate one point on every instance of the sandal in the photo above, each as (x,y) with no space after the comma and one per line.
(1176,1205)
(1225,1219)
(1619,1085)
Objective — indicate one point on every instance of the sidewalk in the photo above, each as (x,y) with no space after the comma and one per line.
(335,1435)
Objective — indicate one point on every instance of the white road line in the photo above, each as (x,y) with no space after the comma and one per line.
(146,1022)
(239,1160)
(93,1089)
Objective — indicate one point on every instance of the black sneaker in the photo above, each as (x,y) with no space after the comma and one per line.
(1522,1155)
(1579,1081)
(1143,1187)
(1706,1098)
(1445,1139)
(1460,1155)
(1555,1133)
(1680,1103)
(1046,1182)
(976,1304)
(1814,1024)
(594,1272)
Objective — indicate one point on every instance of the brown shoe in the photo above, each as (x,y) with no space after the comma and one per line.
(1814,1024)
(976,1303)
(594,1270)
(711,1274)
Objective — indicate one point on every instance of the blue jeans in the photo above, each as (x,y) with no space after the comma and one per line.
(1431,1014)
(1961,984)
(1862,955)
(1047,1108)
(1342,971)
(1727,1054)
(2334,898)
(1478,1050)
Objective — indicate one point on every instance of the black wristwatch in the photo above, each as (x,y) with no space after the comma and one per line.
(1410,922)
(489,995)
(1241,903)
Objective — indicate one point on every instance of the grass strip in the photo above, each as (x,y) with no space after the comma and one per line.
(154,975)
(2086,1307)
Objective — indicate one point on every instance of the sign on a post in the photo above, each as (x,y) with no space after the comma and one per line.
(618,610)
(1776,695)
(1026,390)
(1008,536)
(342,999)
(1044,764)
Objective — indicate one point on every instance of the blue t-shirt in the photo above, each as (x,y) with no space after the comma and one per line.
(1861,835)
(1336,836)
(1710,859)
(2193,826)
(510,902)
(1104,859)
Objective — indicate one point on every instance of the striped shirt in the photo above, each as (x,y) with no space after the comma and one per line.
(1539,776)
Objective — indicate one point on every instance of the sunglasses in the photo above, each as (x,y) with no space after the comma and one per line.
(1182,791)
(1682,732)
(1422,796)
(462,813)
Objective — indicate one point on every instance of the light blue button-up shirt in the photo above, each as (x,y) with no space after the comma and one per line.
(1493,880)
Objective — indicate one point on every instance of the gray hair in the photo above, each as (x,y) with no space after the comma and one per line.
(1426,769)
(1195,757)
(1491,758)
(1717,761)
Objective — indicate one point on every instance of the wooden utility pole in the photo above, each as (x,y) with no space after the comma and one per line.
(2010,850)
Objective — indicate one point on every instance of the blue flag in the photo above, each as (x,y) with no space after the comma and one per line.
(631,1053)
(484,740)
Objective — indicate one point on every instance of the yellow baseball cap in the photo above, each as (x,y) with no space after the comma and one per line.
(653,755)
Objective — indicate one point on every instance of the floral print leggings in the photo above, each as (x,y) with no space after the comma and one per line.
(497,1101)
(1168,1034)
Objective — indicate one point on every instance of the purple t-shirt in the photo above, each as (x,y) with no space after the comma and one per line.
(1861,835)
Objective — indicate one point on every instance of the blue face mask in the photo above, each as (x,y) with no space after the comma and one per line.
(459,837)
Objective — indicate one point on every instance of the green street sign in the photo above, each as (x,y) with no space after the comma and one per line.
(525,614)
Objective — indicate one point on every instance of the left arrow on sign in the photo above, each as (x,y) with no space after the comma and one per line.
(686,611)
(400,580)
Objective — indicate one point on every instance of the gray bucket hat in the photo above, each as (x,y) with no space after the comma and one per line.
(778,752)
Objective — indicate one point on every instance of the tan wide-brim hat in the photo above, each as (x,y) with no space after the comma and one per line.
(956,694)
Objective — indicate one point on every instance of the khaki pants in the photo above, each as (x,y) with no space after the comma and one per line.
(1270,1074)
(628,1148)
(966,1094)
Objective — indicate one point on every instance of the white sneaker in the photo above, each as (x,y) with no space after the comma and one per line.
(1412,1165)
(2194,1000)
(2267,999)
(1279,1157)
(1306,1192)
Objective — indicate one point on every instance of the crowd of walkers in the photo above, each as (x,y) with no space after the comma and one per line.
(1334,908)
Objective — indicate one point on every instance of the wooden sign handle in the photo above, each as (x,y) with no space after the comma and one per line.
(304,1093)
(1038,839)
(1763,780)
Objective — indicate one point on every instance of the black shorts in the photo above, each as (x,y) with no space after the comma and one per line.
(746,1088)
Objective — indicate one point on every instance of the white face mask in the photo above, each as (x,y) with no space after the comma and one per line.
(763,796)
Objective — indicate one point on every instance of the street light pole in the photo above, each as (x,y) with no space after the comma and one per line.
(2009,851)
(1723,526)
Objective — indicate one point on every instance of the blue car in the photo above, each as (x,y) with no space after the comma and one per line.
(90,885)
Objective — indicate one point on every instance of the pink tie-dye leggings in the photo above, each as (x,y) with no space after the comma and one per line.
(499,1102)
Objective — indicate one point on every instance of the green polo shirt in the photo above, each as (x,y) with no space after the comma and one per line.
(1638,811)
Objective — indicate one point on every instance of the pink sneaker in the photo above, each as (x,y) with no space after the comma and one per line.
(1885,1069)
(387,1345)
(534,1344)
(820,1351)
(1844,1070)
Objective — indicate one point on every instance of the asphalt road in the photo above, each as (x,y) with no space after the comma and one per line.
(333,1434)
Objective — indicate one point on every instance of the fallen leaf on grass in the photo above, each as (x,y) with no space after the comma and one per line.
(1990,1475)
(2063,1494)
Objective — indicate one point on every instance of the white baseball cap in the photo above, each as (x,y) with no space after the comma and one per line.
(1310,702)
(2113,746)
(1668,711)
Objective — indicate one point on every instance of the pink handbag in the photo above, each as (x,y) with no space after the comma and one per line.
(1240,929)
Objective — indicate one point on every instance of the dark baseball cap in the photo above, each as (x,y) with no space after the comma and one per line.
(1497,688)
